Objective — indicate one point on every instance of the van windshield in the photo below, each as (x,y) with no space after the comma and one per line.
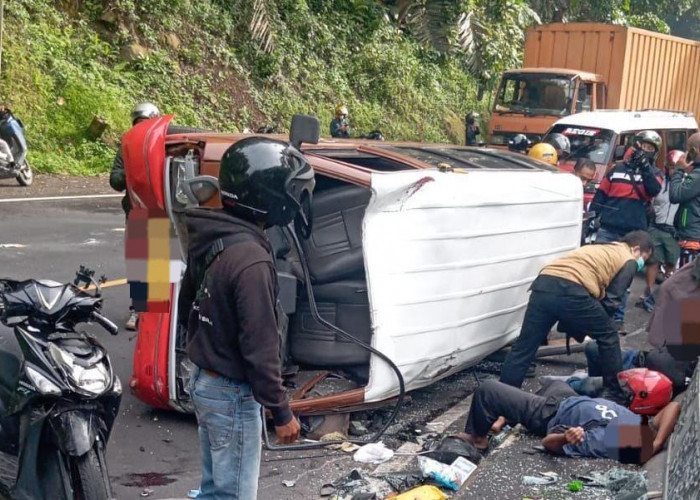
(592,143)
(535,94)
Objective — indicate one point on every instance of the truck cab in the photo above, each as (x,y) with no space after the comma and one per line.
(529,101)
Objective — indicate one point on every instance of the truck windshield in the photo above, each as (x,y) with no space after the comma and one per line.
(587,142)
(535,94)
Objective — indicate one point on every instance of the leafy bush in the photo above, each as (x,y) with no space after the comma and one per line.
(62,67)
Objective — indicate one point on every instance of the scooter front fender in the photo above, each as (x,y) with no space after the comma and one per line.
(75,431)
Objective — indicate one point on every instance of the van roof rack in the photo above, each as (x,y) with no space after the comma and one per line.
(677,111)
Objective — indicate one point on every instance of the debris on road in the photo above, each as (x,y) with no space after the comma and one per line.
(146,493)
(404,481)
(289,484)
(575,486)
(422,493)
(373,453)
(357,428)
(622,483)
(449,448)
(356,485)
(445,475)
(333,436)
(544,478)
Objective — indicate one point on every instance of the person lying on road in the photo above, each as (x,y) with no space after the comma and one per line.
(581,291)
(570,424)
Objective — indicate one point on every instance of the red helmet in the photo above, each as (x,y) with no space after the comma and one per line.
(673,156)
(652,390)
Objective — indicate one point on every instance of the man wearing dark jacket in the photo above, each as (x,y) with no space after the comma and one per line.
(230,290)
(117,179)
(580,291)
(623,196)
(685,190)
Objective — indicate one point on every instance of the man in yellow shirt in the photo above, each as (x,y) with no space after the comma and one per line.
(581,291)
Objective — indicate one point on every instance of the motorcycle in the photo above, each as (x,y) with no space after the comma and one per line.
(58,394)
(16,165)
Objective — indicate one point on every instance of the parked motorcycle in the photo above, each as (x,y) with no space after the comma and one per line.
(16,166)
(58,395)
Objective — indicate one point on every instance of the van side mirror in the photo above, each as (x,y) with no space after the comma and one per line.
(201,188)
(305,128)
(619,152)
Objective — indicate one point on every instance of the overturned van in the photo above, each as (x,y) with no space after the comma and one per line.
(425,252)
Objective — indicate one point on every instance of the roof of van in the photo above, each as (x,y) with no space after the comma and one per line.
(621,121)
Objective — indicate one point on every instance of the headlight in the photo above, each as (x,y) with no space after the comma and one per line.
(43,384)
(498,139)
(180,195)
(92,380)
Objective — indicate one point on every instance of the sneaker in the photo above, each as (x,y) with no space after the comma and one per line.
(132,321)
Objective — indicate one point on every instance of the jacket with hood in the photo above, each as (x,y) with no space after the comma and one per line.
(234,330)
(622,197)
(685,190)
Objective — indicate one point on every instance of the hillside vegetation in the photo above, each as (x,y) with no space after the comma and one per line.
(410,68)
(66,62)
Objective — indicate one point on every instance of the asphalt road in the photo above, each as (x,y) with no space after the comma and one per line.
(156,452)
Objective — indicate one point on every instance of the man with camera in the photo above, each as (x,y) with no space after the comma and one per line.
(685,190)
(624,195)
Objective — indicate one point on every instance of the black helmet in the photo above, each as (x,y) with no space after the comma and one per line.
(471,117)
(519,143)
(268,181)
(375,135)
(560,142)
(650,137)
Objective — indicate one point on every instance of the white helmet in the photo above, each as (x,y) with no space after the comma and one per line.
(144,110)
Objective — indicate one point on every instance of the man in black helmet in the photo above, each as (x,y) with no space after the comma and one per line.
(229,295)
(117,179)
(519,144)
(624,194)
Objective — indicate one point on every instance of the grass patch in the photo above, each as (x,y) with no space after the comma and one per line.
(62,66)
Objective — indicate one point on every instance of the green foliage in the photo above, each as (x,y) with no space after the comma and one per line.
(410,68)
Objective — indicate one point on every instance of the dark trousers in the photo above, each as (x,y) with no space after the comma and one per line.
(569,304)
(493,399)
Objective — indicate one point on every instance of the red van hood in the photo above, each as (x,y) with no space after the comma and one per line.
(143,147)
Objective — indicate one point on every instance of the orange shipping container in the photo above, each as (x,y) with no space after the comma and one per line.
(624,68)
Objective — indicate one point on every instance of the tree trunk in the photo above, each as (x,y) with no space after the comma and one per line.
(97,127)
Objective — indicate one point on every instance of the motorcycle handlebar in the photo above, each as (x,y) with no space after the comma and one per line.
(105,323)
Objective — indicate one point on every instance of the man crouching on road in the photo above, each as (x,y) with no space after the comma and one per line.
(233,338)
(572,425)
(581,291)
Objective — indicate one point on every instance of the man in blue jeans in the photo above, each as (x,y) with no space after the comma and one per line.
(229,297)
(623,196)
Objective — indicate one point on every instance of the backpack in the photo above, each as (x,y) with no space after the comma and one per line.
(200,274)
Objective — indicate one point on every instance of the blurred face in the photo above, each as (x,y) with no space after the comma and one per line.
(648,148)
(586,175)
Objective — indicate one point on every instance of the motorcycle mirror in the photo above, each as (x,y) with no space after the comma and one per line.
(305,128)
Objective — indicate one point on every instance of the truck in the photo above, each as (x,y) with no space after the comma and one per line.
(570,68)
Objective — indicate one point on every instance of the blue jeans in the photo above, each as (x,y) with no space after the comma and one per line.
(230,430)
(607,236)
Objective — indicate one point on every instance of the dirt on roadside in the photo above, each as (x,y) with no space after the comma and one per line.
(56,185)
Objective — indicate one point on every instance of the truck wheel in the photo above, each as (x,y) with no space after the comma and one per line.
(26,175)
(87,477)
